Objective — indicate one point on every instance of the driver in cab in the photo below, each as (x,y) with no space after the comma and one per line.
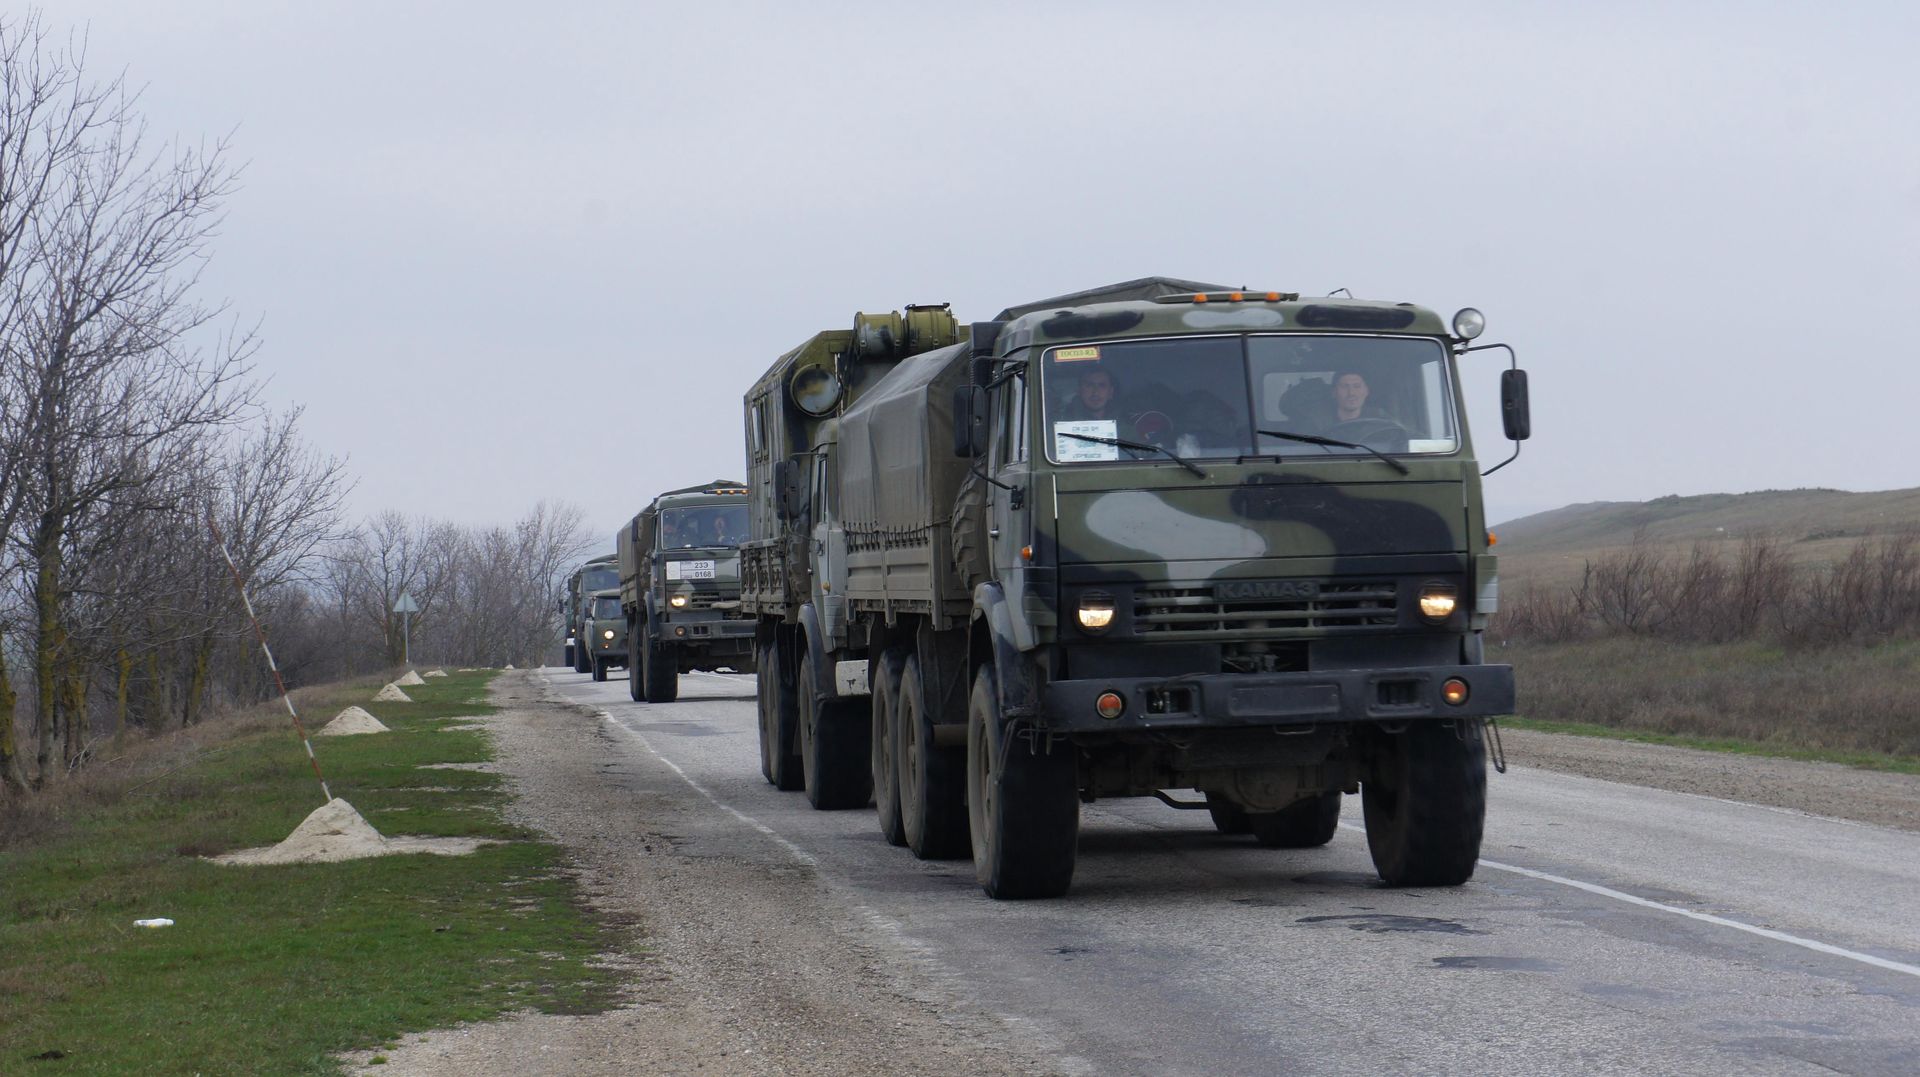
(1350,398)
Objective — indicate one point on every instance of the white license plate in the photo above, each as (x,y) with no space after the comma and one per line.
(690,570)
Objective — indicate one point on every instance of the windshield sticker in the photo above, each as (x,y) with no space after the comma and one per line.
(1076,355)
(1074,450)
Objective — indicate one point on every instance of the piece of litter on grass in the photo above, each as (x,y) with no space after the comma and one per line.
(158,921)
(436,673)
(392,694)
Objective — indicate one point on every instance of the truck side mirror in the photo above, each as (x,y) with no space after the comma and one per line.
(969,421)
(1513,405)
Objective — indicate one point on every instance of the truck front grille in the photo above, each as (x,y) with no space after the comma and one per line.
(1340,608)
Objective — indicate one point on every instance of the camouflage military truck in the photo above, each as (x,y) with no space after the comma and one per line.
(599,574)
(606,635)
(680,588)
(1188,539)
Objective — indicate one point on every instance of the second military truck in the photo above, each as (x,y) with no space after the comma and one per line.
(1129,542)
(576,605)
(680,588)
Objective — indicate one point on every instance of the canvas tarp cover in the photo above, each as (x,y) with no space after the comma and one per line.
(1143,288)
(898,477)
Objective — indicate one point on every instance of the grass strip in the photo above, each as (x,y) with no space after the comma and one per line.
(1864,760)
(275,969)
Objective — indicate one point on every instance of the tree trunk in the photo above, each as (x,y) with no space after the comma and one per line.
(73,711)
(197,682)
(122,689)
(47,645)
(11,775)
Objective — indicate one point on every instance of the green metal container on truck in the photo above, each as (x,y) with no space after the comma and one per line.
(679,564)
(1207,539)
(598,574)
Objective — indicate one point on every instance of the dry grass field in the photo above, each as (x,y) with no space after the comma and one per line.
(1810,645)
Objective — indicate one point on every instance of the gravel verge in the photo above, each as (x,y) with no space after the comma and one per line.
(1829,789)
(742,962)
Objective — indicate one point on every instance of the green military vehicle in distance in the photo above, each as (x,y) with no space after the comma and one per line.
(679,568)
(600,574)
(607,639)
(1147,539)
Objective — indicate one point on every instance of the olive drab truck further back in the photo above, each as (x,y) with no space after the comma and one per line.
(576,602)
(679,564)
(1136,541)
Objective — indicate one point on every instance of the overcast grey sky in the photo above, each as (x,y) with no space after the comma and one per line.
(504,253)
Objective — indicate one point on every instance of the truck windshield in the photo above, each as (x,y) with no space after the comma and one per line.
(712,525)
(602,578)
(606,609)
(1206,397)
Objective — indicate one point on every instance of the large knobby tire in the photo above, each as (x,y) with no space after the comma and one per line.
(660,674)
(885,702)
(599,669)
(931,780)
(1305,824)
(1427,804)
(636,690)
(763,707)
(566,656)
(782,719)
(835,755)
(1023,803)
(581,662)
(1228,817)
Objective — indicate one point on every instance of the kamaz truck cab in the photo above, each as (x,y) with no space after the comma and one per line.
(606,633)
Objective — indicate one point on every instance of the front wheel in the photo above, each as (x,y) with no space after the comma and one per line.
(1426,804)
(661,675)
(1023,802)
(636,689)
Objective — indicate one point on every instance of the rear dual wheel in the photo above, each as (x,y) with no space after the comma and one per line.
(931,779)
(779,715)
(836,756)
(1305,824)
(885,702)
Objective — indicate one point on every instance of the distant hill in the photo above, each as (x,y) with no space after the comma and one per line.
(1817,525)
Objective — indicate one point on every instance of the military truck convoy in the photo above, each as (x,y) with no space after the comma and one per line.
(1129,542)
(680,588)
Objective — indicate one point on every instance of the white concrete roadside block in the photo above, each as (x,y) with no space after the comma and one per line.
(410,679)
(509,665)
(392,694)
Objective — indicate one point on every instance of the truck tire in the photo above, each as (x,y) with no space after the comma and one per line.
(885,702)
(761,709)
(581,662)
(1426,804)
(932,780)
(779,720)
(1228,817)
(1305,824)
(662,676)
(835,756)
(567,660)
(1023,804)
(636,689)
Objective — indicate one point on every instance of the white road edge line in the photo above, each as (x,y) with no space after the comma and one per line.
(1704,917)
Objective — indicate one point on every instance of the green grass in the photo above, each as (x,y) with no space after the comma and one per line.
(274,969)
(1864,760)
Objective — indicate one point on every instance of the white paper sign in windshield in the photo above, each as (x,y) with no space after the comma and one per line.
(690,570)
(1072,450)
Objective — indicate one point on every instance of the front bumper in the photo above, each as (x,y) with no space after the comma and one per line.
(720,635)
(1242,700)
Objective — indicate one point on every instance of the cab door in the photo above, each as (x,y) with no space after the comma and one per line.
(1010,499)
(829,551)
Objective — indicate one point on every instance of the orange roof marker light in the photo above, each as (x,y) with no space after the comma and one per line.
(1236,297)
(1199,297)
(1493,539)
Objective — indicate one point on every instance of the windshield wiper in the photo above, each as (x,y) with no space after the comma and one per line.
(1136,446)
(1315,439)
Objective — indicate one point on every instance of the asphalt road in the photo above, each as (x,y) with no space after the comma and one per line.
(1609,929)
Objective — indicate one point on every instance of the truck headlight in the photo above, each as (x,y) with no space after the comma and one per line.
(678,602)
(1096,611)
(1437,601)
(1469,323)
(608,633)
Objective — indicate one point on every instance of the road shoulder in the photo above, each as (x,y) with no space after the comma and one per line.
(1880,798)
(741,959)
